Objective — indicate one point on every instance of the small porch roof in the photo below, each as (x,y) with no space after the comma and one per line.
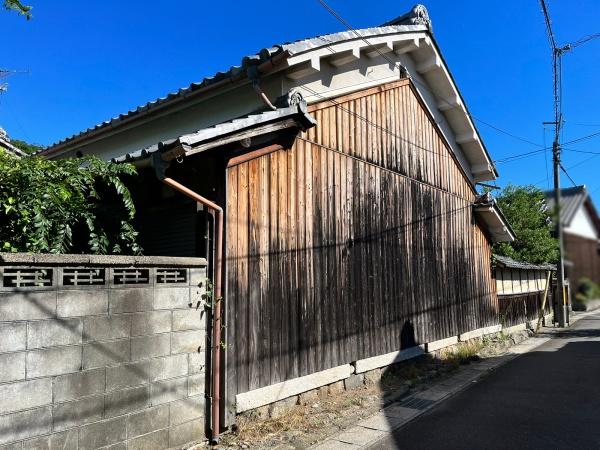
(487,210)
(242,129)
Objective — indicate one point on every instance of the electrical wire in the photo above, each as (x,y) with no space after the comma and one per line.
(403,69)
(567,174)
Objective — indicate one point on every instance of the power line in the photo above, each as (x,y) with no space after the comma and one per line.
(579,42)
(581,151)
(403,69)
(567,174)
(584,138)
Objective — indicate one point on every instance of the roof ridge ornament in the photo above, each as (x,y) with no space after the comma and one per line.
(418,15)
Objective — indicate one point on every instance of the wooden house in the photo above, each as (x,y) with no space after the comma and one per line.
(343,169)
(581,234)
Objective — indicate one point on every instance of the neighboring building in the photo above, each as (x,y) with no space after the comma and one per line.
(353,229)
(522,291)
(581,234)
(7,146)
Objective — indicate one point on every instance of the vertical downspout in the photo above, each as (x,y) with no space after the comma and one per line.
(217,298)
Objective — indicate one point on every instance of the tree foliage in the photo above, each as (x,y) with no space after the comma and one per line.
(525,209)
(16,5)
(70,205)
(26,146)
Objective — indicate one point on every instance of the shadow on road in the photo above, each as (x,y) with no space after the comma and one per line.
(547,398)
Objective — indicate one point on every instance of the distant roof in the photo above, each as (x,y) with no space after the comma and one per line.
(10,148)
(571,200)
(510,263)
(416,19)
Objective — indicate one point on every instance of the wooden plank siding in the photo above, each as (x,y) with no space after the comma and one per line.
(357,241)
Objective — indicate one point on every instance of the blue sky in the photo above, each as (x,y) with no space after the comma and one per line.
(89,61)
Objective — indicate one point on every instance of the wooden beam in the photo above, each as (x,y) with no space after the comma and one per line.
(449,103)
(254,154)
(343,58)
(407,46)
(431,63)
(304,69)
(268,128)
(376,50)
(465,138)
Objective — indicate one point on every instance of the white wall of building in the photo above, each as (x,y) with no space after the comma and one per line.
(582,225)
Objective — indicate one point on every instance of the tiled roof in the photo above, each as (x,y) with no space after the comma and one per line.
(415,20)
(571,199)
(510,263)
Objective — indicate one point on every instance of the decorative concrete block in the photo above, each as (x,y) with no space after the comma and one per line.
(106,328)
(198,277)
(27,306)
(67,440)
(196,384)
(50,333)
(25,424)
(188,341)
(189,319)
(355,381)
(186,432)
(78,412)
(14,337)
(82,384)
(25,394)
(151,322)
(187,409)
(53,361)
(173,298)
(102,434)
(82,303)
(127,375)
(12,367)
(169,367)
(150,346)
(101,354)
(168,391)
(159,440)
(148,420)
(130,300)
(121,402)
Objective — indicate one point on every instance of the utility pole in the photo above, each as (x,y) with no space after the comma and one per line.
(561,307)
(561,303)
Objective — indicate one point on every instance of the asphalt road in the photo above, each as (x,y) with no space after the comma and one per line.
(546,399)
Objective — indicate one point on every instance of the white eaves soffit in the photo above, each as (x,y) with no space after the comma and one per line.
(329,69)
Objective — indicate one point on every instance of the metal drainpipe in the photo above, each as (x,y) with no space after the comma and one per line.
(216,331)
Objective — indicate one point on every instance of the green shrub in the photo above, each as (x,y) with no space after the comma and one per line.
(65,206)
(587,290)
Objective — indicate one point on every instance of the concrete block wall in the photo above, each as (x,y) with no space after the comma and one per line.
(101,355)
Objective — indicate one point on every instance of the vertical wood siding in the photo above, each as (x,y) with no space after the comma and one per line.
(358,241)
